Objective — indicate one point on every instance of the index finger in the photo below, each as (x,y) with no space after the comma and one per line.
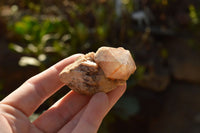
(28,97)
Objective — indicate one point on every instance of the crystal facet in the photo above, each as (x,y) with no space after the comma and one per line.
(117,63)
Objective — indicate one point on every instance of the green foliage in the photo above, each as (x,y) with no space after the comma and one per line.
(138,75)
(44,39)
(126,107)
(33,117)
(47,31)
(128,5)
(34,7)
(193,14)
(108,120)
(47,39)
(162,2)
(164,53)
(194,44)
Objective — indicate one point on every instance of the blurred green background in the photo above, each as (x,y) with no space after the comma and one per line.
(163,96)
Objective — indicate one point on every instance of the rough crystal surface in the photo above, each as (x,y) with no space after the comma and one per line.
(96,72)
(117,63)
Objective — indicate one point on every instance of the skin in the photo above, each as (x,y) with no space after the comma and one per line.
(74,113)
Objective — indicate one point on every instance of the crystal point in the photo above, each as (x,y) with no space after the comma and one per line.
(117,63)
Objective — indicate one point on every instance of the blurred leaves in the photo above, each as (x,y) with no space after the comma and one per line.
(193,14)
(138,75)
(126,107)
(33,117)
(163,2)
(25,61)
(26,25)
(16,48)
(34,7)
(42,36)
(43,39)
(46,31)
(102,32)
(57,37)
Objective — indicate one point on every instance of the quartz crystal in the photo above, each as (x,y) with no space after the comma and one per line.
(96,72)
(117,63)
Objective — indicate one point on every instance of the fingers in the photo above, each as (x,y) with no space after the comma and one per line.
(89,118)
(93,114)
(69,127)
(5,127)
(36,90)
(115,95)
(61,112)
(66,112)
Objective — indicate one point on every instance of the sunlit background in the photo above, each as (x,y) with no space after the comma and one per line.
(163,96)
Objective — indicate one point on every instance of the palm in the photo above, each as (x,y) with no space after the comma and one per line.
(15,121)
(73,113)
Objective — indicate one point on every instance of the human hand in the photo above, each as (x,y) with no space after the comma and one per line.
(74,112)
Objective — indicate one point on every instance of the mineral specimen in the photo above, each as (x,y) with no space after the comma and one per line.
(101,71)
(117,63)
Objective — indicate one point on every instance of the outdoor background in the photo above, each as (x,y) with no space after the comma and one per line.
(163,96)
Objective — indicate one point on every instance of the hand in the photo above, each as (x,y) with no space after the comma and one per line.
(73,113)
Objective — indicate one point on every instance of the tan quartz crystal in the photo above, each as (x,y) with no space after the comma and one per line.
(96,72)
(117,63)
